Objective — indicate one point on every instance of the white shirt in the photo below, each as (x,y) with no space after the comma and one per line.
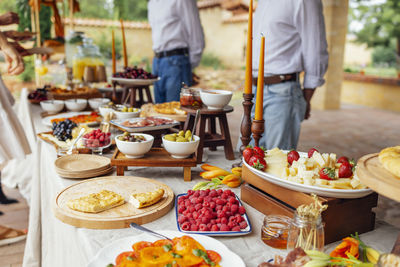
(176,24)
(295,39)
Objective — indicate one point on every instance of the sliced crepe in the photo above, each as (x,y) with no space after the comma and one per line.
(146,199)
(96,202)
(390,159)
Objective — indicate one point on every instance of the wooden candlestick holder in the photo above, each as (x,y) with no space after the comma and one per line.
(245,127)
(257,128)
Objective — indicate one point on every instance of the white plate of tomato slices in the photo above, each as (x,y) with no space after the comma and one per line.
(243,231)
(109,253)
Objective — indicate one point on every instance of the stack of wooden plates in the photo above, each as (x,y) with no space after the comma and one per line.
(82,166)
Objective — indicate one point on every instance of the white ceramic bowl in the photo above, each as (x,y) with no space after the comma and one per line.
(95,103)
(52,106)
(181,150)
(76,104)
(126,115)
(215,99)
(135,149)
(104,110)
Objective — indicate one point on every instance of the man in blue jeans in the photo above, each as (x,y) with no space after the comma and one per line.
(178,43)
(295,41)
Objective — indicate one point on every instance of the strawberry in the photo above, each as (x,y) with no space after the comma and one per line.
(343,159)
(311,152)
(292,156)
(345,170)
(248,152)
(327,173)
(258,163)
(259,151)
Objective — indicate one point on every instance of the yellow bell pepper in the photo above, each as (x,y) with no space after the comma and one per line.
(208,167)
(214,174)
(237,171)
(232,180)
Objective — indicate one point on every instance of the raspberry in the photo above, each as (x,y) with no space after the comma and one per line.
(182,219)
(214,227)
(243,225)
(185,226)
(224,227)
(234,208)
(194,227)
(242,210)
(203,227)
(236,229)
(224,220)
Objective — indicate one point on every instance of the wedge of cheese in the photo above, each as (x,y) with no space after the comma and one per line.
(146,199)
(96,202)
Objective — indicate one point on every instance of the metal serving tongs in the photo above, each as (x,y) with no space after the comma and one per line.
(195,123)
(144,229)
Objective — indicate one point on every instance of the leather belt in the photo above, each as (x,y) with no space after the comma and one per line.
(278,79)
(173,52)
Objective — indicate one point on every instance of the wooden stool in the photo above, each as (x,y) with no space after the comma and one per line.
(130,92)
(211,138)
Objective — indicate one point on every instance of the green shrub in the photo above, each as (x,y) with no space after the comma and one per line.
(29,73)
(211,60)
(384,56)
(104,42)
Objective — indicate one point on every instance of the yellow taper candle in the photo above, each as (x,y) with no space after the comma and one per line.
(260,84)
(124,44)
(114,66)
(249,54)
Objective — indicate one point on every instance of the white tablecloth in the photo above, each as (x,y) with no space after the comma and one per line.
(51,242)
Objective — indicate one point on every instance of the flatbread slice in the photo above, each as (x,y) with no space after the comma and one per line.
(96,202)
(390,159)
(146,199)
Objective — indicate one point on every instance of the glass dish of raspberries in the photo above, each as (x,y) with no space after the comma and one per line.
(97,140)
(211,212)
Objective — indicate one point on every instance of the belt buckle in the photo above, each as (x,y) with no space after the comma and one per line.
(282,77)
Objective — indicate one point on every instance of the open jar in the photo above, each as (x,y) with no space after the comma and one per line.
(306,232)
(190,97)
(274,231)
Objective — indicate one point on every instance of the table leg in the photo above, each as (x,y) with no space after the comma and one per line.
(187,174)
(189,123)
(124,95)
(223,123)
(200,132)
(133,97)
(141,99)
(148,94)
(120,170)
(213,130)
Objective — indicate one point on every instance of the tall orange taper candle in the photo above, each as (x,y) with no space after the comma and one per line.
(124,44)
(114,66)
(260,84)
(249,54)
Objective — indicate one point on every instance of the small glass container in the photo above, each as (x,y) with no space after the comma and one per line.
(190,97)
(306,232)
(274,231)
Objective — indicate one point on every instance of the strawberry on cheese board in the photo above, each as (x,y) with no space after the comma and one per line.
(312,172)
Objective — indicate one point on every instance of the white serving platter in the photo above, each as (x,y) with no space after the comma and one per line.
(47,120)
(108,253)
(321,191)
(245,231)
(135,82)
(119,122)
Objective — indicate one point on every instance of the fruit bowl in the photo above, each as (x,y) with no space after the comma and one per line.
(96,140)
(77,104)
(181,150)
(215,99)
(134,149)
(126,113)
(52,106)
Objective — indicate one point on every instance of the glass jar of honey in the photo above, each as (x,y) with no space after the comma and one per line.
(274,231)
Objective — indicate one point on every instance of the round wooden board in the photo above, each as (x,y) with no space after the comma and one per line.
(375,176)
(118,217)
(84,175)
(78,163)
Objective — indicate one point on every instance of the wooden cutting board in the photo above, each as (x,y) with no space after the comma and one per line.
(118,217)
(375,176)
(78,163)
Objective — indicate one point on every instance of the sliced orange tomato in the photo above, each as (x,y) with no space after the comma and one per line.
(213,256)
(140,245)
(124,255)
(154,256)
(162,242)
(186,244)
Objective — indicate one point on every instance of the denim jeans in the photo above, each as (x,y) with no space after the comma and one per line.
(284,110)
(173,71)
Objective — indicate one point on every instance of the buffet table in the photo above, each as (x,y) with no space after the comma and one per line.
(51,242)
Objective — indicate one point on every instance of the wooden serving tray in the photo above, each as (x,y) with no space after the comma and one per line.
(156,157)
(80,150)
(342,218)
(118,217)
(375,176)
